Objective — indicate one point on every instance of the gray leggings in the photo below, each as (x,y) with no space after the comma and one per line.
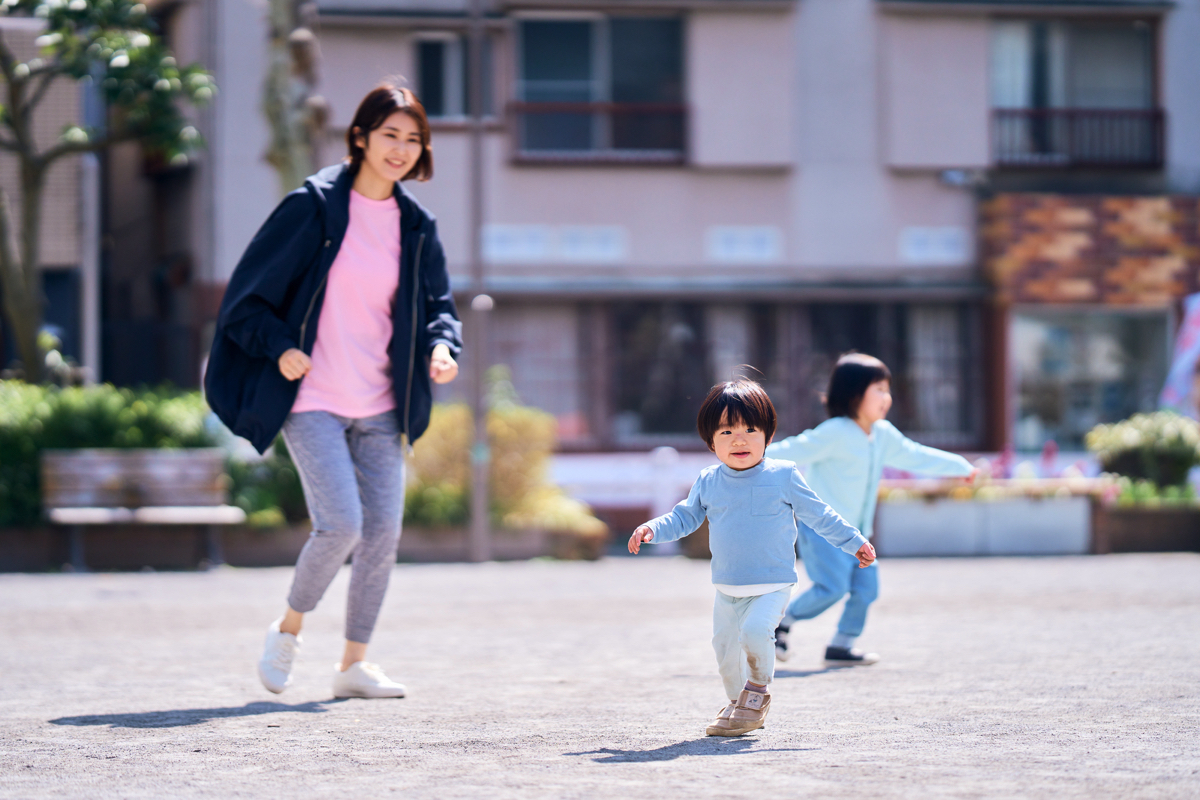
(352,471)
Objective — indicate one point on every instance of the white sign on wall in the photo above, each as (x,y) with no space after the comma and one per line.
(755,244)
(587,244)
(948,244)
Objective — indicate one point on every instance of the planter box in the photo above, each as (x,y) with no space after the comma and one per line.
(1019,526)
(1146,530)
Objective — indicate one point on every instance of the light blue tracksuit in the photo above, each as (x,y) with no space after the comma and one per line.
(843,466)
(752,522)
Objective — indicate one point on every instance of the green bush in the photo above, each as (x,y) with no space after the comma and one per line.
(36,418)
(1146,493)
(268,490)
(522,440)
(1160,447)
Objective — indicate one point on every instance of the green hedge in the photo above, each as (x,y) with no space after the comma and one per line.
(36,418)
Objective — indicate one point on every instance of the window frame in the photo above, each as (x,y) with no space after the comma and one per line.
(601,95)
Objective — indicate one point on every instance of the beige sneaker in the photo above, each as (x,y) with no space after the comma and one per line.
(748,714)
(364,680)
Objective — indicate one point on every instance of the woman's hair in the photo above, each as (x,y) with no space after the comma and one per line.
(383,101)
(852,376)
(737,401)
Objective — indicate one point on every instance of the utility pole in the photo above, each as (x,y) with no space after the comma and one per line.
(480,542)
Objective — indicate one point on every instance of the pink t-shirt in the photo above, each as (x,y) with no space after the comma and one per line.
(351,373)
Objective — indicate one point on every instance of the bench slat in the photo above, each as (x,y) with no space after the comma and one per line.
(150,515)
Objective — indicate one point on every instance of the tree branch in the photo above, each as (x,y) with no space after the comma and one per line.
(10,145)
(47,79)
(7,60)
(71,148)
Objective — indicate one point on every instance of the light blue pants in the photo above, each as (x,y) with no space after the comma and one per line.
(834,574)
(352,471)
(744,638)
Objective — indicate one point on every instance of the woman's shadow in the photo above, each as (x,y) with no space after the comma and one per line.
(180,717)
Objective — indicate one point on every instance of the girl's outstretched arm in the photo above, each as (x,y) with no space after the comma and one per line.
(900,452)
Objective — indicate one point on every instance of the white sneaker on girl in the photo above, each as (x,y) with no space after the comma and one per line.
(279,654)
(364,680)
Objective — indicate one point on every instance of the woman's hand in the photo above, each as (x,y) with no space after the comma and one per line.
(642,534)
(294,364)
(865,555)
(442,366)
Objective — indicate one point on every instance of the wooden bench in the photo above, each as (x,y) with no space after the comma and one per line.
(137,487)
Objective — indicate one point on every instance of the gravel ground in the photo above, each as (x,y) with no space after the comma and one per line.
(1039,677)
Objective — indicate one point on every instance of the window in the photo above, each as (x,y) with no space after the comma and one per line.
(1075,370)
(605,85)
(442,71)
(1078,92)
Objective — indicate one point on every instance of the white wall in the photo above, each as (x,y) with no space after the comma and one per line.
(741,88)
(245,188)
(1181,94)
(935,91)
(848,208)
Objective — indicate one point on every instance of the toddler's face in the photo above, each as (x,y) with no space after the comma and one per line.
(739,446)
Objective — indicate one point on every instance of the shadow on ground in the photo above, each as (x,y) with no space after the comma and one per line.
(800,673)
(180,717)
(706,746)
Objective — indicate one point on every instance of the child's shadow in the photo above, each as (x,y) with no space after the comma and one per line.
(706,746)
(801,673)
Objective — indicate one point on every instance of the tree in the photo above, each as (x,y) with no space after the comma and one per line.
(114,46)
(296,115)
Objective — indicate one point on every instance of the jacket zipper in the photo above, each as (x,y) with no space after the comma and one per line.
(312,303)
(412,340)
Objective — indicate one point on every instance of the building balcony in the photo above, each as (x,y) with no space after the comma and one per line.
(599,132)
(1036,138)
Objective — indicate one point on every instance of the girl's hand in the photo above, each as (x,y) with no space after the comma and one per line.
(442,366)
(294,364)
(865,555)
(971,478)
(642,534)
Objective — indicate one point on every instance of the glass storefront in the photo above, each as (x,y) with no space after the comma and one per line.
(1076,368)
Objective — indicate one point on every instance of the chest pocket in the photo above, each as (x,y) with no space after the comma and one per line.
(766,501)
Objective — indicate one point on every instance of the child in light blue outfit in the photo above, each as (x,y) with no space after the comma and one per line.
(843,459)
(752,504)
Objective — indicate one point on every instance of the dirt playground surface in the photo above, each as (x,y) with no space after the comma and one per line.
(1041,677)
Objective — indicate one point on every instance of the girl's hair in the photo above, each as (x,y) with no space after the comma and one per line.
(738,401)
(383,101)
(852,376)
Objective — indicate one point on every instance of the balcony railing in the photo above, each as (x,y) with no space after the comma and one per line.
(604,132)
(1077,137)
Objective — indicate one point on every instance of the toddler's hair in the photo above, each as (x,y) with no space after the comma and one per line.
(738,401)
(852,376)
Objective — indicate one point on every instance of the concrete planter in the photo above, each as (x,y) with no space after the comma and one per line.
(1146,530)
(1017,526)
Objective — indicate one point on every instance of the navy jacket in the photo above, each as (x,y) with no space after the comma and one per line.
(273,303)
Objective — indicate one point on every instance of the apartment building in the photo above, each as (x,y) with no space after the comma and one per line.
(998,198)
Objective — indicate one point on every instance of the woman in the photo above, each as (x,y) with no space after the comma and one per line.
(334,324)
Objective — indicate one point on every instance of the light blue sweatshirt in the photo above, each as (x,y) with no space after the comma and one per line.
(752,521)
(843,465)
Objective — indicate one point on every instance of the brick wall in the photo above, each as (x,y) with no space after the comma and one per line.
(1045,248)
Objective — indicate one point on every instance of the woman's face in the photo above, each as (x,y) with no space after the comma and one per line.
(876,403)
(392,149)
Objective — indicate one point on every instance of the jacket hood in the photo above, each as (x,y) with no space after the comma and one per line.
(330,187)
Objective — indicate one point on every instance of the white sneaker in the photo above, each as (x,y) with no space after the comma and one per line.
(364,680)
(279,653)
